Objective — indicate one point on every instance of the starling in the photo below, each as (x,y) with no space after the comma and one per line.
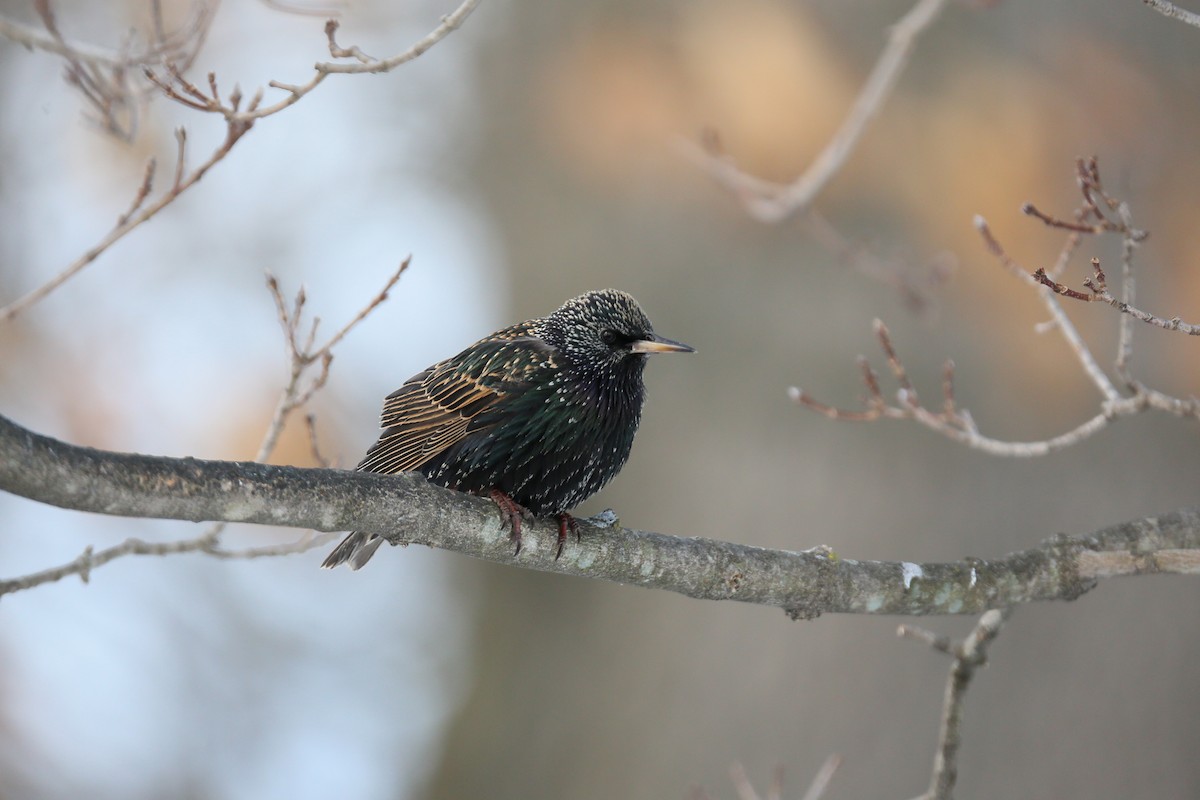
(537,416)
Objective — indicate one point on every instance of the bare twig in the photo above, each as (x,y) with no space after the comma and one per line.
(969,655)
(303,355)
(369,307)
(745,789)
(175,52)
(1067,225)
(142,193)
(450,23)
(1168,9)
(772,202)
(167,76)
(107,91)
(957,423)
(915,282)
(1102,213)
(1099,292)
(164,47)
(105,79)
(1098,213)
(820,781)
(943,644)
(1061,322)
(769,202)
(90,559)
(951,421)
(310,422)
(330,9)
(126,223)
(293,396)
(1129,243)
(1064,255)
(1041,277)
(363,64)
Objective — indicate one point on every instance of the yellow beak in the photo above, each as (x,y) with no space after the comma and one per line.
(657,344)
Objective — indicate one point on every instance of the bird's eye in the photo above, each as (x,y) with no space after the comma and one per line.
(608,336)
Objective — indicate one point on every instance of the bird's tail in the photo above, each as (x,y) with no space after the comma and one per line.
(357,548)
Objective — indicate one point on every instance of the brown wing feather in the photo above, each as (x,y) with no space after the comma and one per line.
(433,410)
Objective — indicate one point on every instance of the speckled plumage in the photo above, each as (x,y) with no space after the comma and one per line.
(543,412)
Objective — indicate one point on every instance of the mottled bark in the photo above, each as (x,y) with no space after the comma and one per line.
(405,509)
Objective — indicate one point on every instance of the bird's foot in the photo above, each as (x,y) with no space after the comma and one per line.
(511,512)
(565,522)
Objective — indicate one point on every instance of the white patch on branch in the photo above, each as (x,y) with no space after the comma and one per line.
(911,573)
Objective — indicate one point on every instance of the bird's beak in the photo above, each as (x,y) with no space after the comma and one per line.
(657,344)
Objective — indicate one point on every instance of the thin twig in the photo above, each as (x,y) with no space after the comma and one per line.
(369,307)
(314,446)
(292,397)
(90,559)
(1099,292)
(957,423)
(167,76)
(943,644)
(123,228)
(1069,225)
(142,193)
(1064,255)
(170,47)
(450,23)
(1168,9)
(820,781)
(968,657)
(105,89)
(772,203)
(1061,321)
(1129,243)
(1099,212)
(746,791)
(914,284)
(1041,277)
(106,79)
(330,9)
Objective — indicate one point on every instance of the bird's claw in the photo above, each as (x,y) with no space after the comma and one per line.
(565,522)
(511,512)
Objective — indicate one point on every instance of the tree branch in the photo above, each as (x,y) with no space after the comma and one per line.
(957,424)
(362,63)
(129,220)
(745,789)
(772,203)
(1168,9)
(1098,286)
(406,509)
(969,655)
(168,76)
(1094,216)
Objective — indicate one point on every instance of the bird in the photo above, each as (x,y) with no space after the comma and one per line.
(537,416)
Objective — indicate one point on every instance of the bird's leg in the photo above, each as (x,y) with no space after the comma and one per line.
(565,522)
(511,512)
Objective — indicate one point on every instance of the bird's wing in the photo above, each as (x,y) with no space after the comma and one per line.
(435,409)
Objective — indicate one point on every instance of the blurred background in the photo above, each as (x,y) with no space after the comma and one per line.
(529,157)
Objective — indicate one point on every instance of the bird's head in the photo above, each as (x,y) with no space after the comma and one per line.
(606,331)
